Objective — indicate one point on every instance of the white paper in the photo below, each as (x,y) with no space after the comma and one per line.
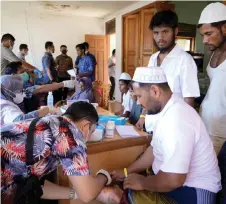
(71,72)
(126,131)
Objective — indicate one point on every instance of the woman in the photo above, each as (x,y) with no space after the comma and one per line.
(85,92)
(12,95)
(58,140)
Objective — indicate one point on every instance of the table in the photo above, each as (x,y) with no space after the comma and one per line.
(110,154)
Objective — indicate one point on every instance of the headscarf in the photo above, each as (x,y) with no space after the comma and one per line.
(87,93)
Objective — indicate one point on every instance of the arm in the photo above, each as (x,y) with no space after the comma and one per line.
(48,87)
(141,121)
(27,66)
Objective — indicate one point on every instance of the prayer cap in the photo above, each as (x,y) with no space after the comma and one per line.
(125,76)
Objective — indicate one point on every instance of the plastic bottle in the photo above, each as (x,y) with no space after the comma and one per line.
(50,99)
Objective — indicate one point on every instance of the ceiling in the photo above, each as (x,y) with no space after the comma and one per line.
(98,9)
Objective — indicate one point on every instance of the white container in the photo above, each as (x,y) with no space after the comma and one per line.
(50,99)
(110,129)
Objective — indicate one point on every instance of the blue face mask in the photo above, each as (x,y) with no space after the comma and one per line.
(25,77)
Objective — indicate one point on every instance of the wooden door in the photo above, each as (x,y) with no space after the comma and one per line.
(131,43)
(98,47)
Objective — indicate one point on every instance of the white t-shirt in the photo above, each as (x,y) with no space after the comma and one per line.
(127,102)
(182,145)
(111,70)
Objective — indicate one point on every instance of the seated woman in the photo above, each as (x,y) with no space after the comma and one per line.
(62,142)
(12,95)
(85,91)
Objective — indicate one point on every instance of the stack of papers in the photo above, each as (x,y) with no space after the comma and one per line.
(126,131)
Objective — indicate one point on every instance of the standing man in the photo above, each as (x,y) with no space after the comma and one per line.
(111,72)
(64,63)
(23,51)
(212,26)
(7,55)
(178,65)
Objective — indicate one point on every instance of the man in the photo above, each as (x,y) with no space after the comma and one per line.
(23,51)
(64,63)
(86,66)
(181,153)
(7,55)
(111,72)
(212,26)
(179,66)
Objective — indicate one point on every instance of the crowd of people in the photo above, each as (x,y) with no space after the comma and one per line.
(180,165)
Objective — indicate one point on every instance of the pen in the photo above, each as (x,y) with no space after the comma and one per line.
(128,190)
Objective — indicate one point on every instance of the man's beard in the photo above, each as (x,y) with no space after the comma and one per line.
(218,46)
(168,48)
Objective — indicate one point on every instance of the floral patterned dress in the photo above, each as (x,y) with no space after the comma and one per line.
(57,141)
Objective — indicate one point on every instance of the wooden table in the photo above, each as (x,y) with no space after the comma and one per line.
(110,154)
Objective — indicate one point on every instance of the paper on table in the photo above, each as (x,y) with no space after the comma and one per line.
(72,72)
(126,131)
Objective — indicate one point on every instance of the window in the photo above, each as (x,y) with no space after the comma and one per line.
(186,43)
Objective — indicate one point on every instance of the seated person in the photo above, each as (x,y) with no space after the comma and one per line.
(136,108)
(12,96)
(181,153)
(127,102)
(58,140)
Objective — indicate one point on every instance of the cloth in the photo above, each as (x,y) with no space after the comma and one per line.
(111,70)
(127,102)
(182,145)
(86,64)
(57,141)
(213,107)
(48,63)
(20,56)
(65,63)
(135,113)
(112,90)
(7,56)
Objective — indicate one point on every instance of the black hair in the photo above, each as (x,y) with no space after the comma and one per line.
(163,86)
(216,24)
(23,47)
(86,45)
(82,111)
(12,67)
(7,37)
(164,18)
(127,82)
(63,46)
(113,51)
(81,47)
(48,44)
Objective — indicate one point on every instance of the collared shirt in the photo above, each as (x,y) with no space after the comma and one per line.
(7,56)
(65,63)
(88,54)
(86,65)
(182,145)
(20,56)
(48,63)
(127,102)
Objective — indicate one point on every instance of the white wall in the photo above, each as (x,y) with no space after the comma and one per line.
(35,28)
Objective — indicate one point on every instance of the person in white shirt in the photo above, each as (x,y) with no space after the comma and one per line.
(178,65)
(181,153)
(111,72)
(212,26)
(127,101)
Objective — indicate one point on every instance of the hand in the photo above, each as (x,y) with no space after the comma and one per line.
(118,174)
(55,111)
(69,84)
(140,124)
(134,181)
(60,103)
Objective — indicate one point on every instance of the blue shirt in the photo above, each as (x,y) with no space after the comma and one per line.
(48,62)
(85,65)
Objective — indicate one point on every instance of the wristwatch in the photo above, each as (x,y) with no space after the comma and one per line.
(105,173)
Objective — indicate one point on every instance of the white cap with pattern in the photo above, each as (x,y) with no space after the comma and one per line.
(213,13)
(125,76)
(150,75)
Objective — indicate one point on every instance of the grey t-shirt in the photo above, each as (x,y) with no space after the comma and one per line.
(7,56)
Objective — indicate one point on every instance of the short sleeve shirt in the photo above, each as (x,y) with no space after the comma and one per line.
(48,63)
(127,102)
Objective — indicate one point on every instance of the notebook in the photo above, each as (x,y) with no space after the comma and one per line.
(126,131)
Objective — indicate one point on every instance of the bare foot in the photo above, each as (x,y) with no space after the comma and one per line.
(110,195)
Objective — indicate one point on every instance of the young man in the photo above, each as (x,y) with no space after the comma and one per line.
(7,55)
(181,153)
(64,63)
(111,72)
(212,26)
(179,66)
(127,101)
(23,51)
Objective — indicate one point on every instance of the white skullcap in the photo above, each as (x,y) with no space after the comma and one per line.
(213,13)
(149,75)
(125,76)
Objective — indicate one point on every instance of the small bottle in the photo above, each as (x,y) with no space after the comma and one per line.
(110,129)
(50,99)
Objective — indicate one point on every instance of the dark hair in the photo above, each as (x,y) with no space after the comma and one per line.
(127,82)
(166,18)
(163,86)
(48,44)
(216,24)
(12,67)
(113,51)
(82,111)
(23,47)
(86,45)
(80,46)
(63,46)
(7,37)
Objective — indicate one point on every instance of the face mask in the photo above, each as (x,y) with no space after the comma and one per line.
(19,98)
(25,77)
